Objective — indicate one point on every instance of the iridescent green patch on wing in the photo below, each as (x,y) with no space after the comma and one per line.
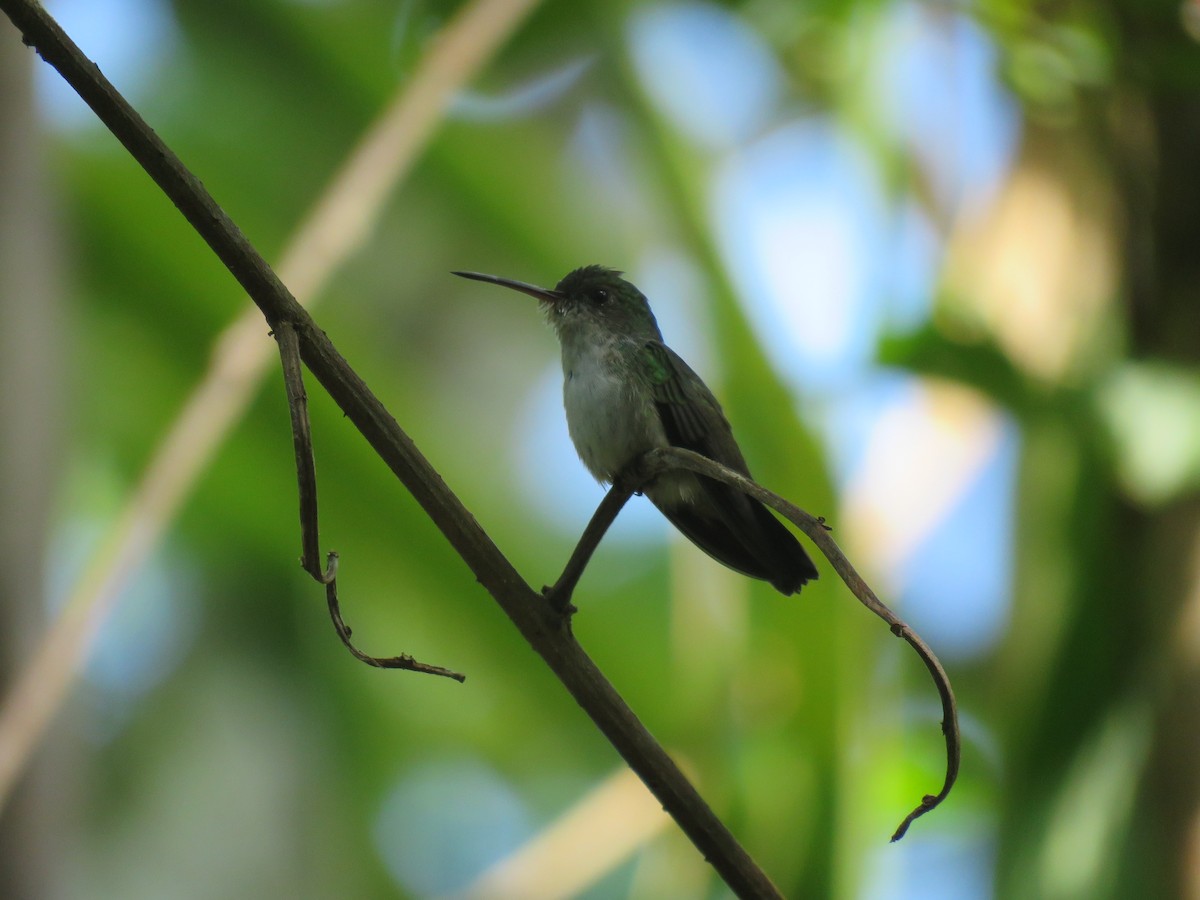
(690,414)
(657,364)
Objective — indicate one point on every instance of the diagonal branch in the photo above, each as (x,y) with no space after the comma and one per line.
(658,461)
(306,476)
(538,623)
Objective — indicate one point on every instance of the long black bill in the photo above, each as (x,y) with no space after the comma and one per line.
(546,296)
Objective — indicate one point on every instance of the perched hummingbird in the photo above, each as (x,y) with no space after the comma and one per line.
(626,392)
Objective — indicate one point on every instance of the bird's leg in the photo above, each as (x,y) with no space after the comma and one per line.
(628,482)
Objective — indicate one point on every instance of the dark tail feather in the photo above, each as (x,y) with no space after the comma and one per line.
(762,548)
(791,565)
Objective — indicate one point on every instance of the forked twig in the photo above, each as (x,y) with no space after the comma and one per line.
(655,463)
(306,477)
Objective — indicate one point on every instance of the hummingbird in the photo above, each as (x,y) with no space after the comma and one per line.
(626,392)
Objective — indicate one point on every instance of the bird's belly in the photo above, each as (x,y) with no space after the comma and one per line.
(609,422)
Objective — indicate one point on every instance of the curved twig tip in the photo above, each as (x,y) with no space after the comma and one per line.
(928,802)
(657,461)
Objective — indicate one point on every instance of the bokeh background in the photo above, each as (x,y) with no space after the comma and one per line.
(939,261)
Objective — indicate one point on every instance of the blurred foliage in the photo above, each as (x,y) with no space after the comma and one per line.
(260,760)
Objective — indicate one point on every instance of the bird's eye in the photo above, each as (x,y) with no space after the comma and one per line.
(600,295)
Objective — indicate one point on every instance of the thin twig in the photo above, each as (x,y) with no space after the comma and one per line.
(306,477)
(403,661)
(528,611)
(659,461)
(306,469)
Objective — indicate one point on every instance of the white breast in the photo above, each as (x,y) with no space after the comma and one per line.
(611,418)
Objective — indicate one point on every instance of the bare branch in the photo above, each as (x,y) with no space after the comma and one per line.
(659,461)
(534,618)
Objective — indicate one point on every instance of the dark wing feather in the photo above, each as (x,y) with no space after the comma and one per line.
(730,527)
(690,413)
